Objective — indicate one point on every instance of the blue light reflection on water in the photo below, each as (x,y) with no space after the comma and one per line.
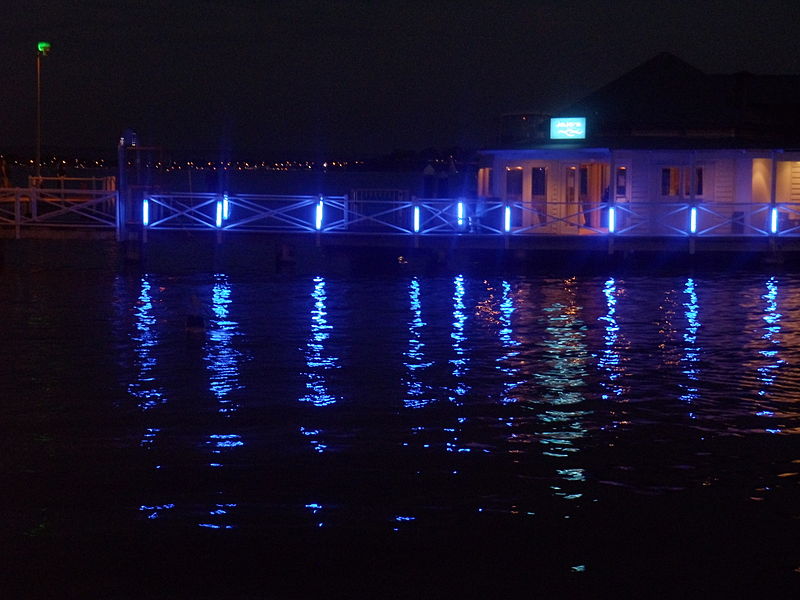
(771,354)
(610,358)
(533,368)
(460,363)
(144,388)
(691,348)
(418,394)
(506,363)
(318,359)
(222,358)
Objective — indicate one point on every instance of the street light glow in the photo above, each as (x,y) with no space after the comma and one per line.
(43,48)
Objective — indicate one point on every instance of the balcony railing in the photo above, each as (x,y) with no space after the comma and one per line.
(24,208)
(388,213)
(463,216)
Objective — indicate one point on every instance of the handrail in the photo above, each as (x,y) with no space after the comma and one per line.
(402,216)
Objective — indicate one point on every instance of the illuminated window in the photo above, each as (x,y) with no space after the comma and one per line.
(570,184)
(485,182)
(539,193)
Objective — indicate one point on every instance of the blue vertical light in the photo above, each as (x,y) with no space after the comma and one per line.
(507,219)
(612,219)
(693,220)
(416,219)
(219,214)
(318,223)
(773,220)
(460,210)
(226,208)
(146,212)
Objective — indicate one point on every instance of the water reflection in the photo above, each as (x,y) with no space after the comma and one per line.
(610,358)
(223,363)
(418,393)
(563,362)
(318,359)
(221,357)
(218,517)
(506,363)
(771,335)
(691,348)
(144,388)
(522,363)
(460,362)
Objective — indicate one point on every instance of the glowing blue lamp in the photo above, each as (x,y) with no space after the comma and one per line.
(318,222)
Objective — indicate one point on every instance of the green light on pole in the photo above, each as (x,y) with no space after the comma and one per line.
(43,49)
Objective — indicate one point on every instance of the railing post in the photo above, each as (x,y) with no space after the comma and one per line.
(692,202)
(17,213)
(33,202)
(415,212)
(773,205)
(612,204)
(120,216)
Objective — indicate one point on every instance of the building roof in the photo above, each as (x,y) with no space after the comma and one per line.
(666,102)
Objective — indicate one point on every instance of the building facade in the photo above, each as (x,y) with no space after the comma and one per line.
(664,150)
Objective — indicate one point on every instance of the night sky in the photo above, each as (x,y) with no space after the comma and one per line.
(312,79)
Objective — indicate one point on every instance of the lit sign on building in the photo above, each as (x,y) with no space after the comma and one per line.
(567,128)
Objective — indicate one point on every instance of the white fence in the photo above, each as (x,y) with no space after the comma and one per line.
(386,212)
(24,208)
(377,214)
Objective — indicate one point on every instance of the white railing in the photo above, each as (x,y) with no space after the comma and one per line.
(24,208)
(452,216)
(387,214)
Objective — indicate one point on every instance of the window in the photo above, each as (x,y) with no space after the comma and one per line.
(622,182)
(570,185)
(514,184)
(538,181)
(485,182)
(677,181)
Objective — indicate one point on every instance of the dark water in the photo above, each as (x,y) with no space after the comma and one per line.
(400,437)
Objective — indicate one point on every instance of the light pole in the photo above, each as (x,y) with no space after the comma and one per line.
(42,49)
